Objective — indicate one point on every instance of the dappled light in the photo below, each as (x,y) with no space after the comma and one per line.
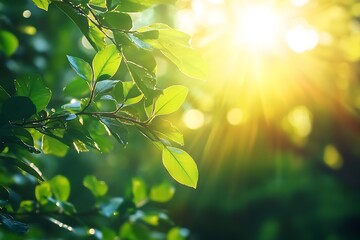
(180,119)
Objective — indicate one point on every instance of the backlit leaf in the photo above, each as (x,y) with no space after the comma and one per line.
(81,67)
(98,188)
(106,62)
(180,165)
(60,186)
(8,43)
(171,100)
(43,4)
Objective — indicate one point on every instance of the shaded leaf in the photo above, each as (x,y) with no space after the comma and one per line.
(116,129)
(110,207)
(25,108)
(134,231)
(22,164)
(33,87)
(117,20)
(12,224)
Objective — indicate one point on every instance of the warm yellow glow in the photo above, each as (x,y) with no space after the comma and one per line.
(194,119)
(332,157)
(235,116)
(257,27)
(299,3)
(30,30)
(302,38)
(300,120)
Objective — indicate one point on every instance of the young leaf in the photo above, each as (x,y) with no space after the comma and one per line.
(25,108)
(81,67)
(60,186)
(43,4)
(106,62)
(98,188)
(8,43)
(53,146)
(180,165)
(162,192)
(32,86)
(171,100)
(139,192)
(43,192)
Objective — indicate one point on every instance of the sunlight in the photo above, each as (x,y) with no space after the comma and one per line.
(235,116)
(302,38)
(257,27)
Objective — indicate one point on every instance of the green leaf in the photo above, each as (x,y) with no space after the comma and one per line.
(13,225)
(110,207)
(98,188)
(139,192)
(42,4)
(171,100)
(116,129)
(164,130)
(81,67)
(139,5)
(162,192)
(127,93)
(43,192)
(92,34)
(104,87)
(22,164)
(134,231)
(25,108)
(8,43)
(77,88)
(32,86)
(60,186)
(177,233)
(175,46)
(53,146)
(180,166)
(106,62)
(117,20)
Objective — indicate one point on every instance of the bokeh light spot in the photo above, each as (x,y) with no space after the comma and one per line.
(299,3)
(332,157)
(302,38)
(26,13)
(300,119)
(194,119)
(235,116)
